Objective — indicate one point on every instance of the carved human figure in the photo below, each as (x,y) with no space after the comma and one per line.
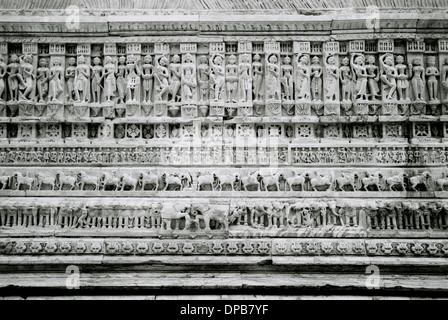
(231,79)
(82,83)
(56,85)
(402,79)
(287,79)
(204,78)
(417,74)
(389,75)
(331,79)
(161,76)
(359,75)
(373,77)
(257,67)
(133,73)
(432,73)
(148,78)
(218,76)
(70,74)
(97,77)
(175,78)
(27,76)
(121,79)
(188,82)
(3,70)
(445,79)
(245,79)
(303,78)
(273,78)
(43,75)
(345,76)
(14,77)
(110,82)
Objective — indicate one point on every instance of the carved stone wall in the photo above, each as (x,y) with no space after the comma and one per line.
(253,135)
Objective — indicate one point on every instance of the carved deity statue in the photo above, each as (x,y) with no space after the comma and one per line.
(389,75)
(245,79)
(432,73)
(188,82)
(257,68)
(231,79)
(445,79)
(303,77)
(3,70)
(346,79)
(56,84)
(273,78)
(417,74)
(287,79)
(97,77)
(14,77)
(110,82)
(25,77)
(359,76)
(82,83)
(132,79)
(373,77)
(42,79)
(331,79)
(402,79)
(175,78)
(203,78)
(121,79)
(217,76)
(161,76)
(316,79)
(70,73)
(148,78)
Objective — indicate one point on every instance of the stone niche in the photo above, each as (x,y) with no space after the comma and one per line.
(145,142)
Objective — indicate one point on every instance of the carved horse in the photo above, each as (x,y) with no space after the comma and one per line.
(4,180)
(47,179)
(225,180)
(205,180)
(208,213)
(128,181)
(250,180)
(443,182)
(84,179)
(62,179)
(23,181)
(420,179)
(173,180)
(371,180)
(149,178)
(320,181)
(296,180)
(394,181)
(110,180)
(271,180)
(346,180)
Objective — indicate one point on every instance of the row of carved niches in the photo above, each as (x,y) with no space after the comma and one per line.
(355,156)
(222,182)
(245,78)
(240,217)
(239,134)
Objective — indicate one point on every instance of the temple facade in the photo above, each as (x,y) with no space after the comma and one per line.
(245,146)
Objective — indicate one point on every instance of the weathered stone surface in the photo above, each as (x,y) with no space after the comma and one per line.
(211,145)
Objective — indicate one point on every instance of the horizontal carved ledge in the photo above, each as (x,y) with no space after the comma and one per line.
(247,247)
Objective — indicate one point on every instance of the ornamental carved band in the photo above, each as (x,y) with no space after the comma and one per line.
(185,142)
